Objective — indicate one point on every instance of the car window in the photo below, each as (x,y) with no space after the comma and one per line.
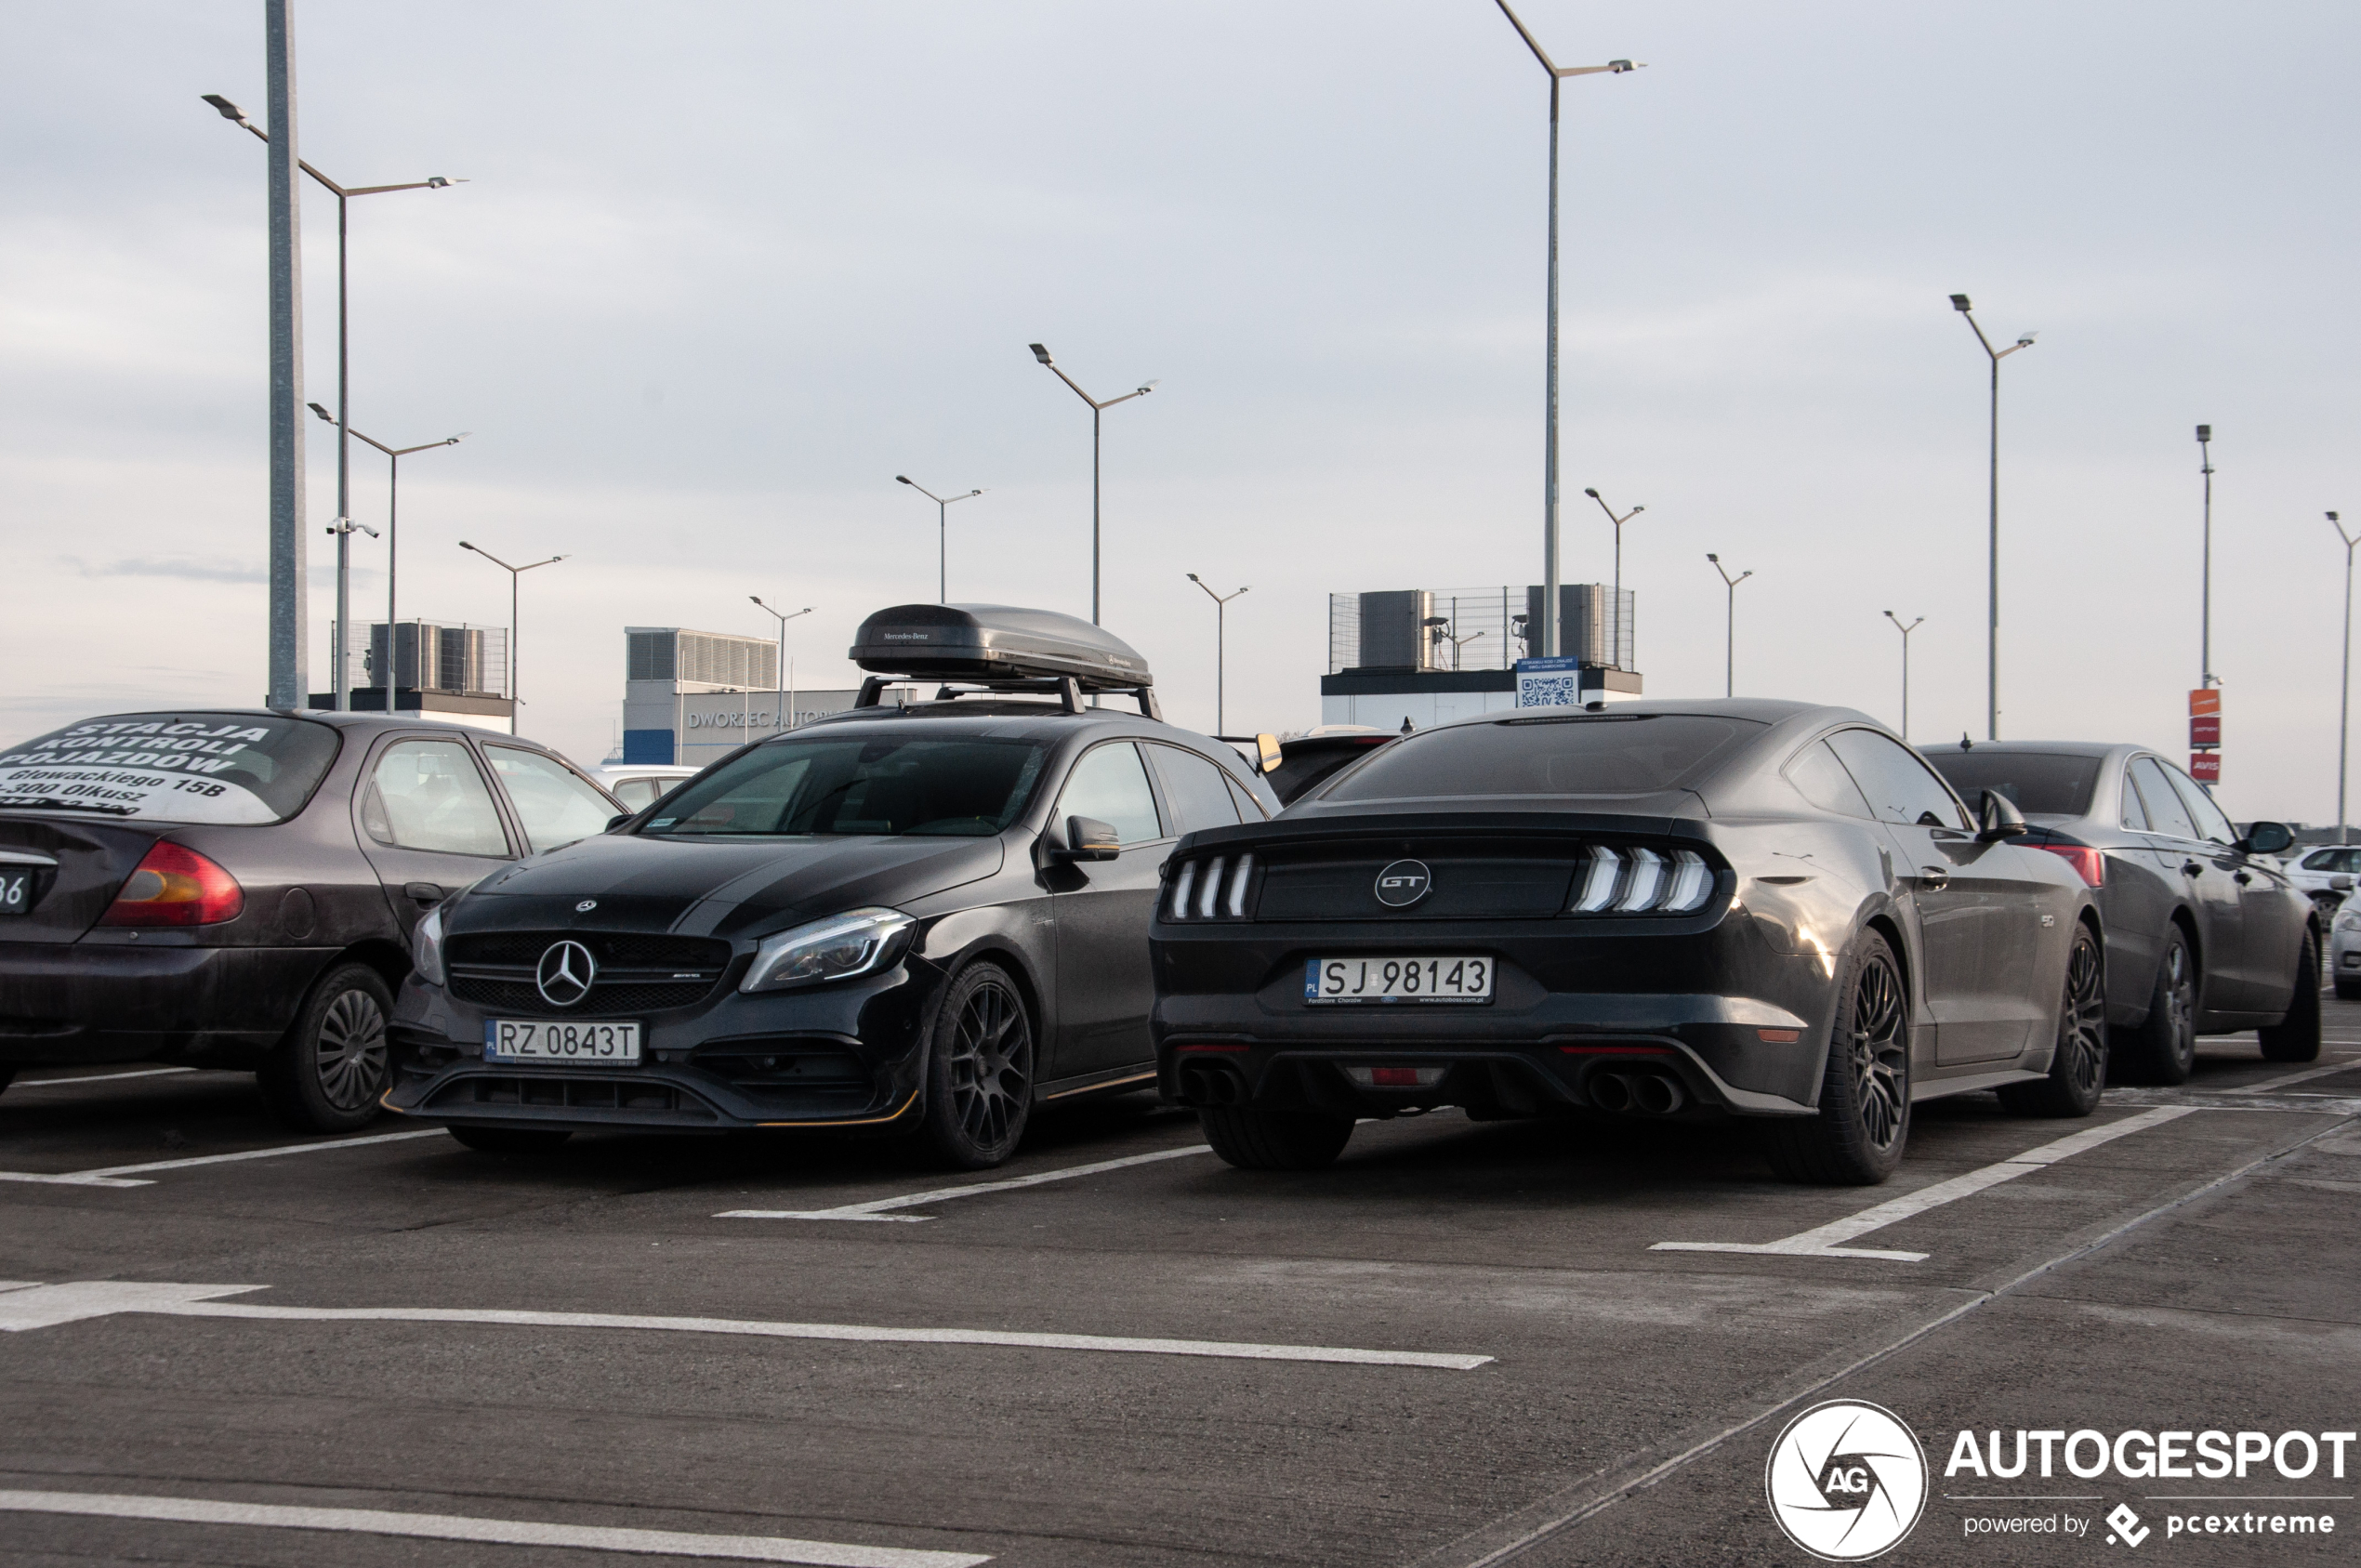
(1823,781)
(1110,786)
(1899,787)
(1606,754)
(1195,789)
(555,806)
(947,787)
(194,767)
(2212,825)
(430,795)
(1249,809)
(2135,816)
(2038,783)
(2166,815)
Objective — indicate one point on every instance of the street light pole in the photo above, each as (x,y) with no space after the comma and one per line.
(943,528)
(337,652)
(1905,665)
(514,629)
(1729,627)
(781,724)
(1992,626)
(1097,408)
(1220,647)
(1618,522)
(2344,698)
(394,455)
(2205,571)
(1550,400)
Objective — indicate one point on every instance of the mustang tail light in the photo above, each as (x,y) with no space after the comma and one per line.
(2089,863)
(1207,890)
(1640,881)
(173,886)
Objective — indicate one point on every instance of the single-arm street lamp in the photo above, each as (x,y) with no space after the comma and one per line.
(514,573)
(2205,568)
(343,193)
(783,618)
(2344,699)
(1729,627)
(1549,419)
(394,455)
(1221,643)
(943,529)
(1618,522)
(1097,408)
(1905,665)
(1992,625)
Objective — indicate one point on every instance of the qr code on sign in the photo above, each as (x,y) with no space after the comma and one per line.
(1547,691)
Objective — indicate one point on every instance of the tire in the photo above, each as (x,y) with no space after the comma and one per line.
(980,1071)
(509,1141)
(326,1072)
(2348,990)
(1864,1124)
(7,1076)
(2296,1037)
(2164,1048)
(2079,1067)
(1253,1138)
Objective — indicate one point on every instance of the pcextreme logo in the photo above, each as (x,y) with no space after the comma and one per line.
(1846,1480)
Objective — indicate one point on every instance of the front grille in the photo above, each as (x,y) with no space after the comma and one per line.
(1470,881)
(571,1092)
(638,972)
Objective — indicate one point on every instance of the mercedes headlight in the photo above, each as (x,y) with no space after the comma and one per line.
(426,946)
(837,948)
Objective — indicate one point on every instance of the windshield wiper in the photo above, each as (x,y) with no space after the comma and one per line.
(51,803)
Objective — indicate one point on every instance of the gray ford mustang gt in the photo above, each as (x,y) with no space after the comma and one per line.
(1676,909)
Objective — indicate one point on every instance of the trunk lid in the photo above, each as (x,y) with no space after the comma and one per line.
(91,860)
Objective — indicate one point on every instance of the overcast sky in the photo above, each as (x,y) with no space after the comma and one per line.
(724,270)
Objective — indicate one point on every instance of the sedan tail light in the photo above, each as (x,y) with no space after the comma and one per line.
(175,886)
(2089,863)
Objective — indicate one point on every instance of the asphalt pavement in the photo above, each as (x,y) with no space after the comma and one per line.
(1467,1344)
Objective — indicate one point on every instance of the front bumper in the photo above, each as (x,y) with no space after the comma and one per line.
(163,998)
(845,1055)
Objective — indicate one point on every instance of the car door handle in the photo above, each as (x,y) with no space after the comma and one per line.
(2191,868)
(2241,877)
(1933,878)
(425,893)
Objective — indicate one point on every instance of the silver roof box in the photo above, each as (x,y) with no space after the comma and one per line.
(995,643)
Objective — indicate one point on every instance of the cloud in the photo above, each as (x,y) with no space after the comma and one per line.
(182,567)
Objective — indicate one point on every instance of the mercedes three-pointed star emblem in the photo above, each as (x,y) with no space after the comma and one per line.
(564,974)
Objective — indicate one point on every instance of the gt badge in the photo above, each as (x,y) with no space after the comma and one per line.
(1404,883)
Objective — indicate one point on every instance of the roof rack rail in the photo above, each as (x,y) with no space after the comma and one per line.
(1064,687)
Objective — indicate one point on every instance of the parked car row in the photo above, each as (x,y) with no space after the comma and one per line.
(931,918)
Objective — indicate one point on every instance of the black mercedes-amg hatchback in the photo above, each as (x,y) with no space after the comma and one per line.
(1754,909)
(926,917)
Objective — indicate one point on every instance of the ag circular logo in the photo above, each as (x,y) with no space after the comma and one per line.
(564,974)
(1846,1480)
(1403,884)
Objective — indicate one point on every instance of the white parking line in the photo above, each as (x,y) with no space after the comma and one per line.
(128,1176)
(2305,1077)
(98,1078)
(881,1209)
(1821,1240)
(45,1306)
(507,1532)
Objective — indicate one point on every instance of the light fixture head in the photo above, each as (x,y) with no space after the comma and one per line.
(2204,432)
(1959,302)
(229,111)
(1195,578)
(757,598)
(2024,339)
(1636,511)
(1593,494)
(320,412)
(902,479)
(1147,387)
(1711,557)
(1619,66)
(1041,353)
(465,545)
(436,182)
(2332,517)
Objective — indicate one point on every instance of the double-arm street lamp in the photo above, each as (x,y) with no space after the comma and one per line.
(1729,627)
(1549,421)
(1097,408)
(1905,665)
(1221,643)
(1615,615)
(1992,624)
(2344,698)
(943,529)
(394,455)
(514,573)
(783,617)
(2205,568)
(343,194)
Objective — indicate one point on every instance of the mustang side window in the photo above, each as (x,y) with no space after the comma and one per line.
(427,795)
(1899,787)
(1110,786)
(1823,781)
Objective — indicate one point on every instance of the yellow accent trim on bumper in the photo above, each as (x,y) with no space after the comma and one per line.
(861,1122)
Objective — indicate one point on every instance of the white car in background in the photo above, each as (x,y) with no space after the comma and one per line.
(2325,874)
(638,784)
(2344,950)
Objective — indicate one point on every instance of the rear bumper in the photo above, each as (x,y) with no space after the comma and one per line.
(65,1004)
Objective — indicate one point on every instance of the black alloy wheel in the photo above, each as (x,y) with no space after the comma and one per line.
(2168,1040)
(1857,1139)
(2296,1037)
(2078,1066)
(326,1072)
(980,1073)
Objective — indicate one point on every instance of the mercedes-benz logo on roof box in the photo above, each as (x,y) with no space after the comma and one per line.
(1404,883)
(564,974)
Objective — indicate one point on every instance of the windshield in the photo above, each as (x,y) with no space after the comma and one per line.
(1612,754)
(2037,783)
(963,788)
(172,767)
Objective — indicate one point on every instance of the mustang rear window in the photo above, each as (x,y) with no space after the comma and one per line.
(2038,783)
(964,788)
(171,767)
(1612,754)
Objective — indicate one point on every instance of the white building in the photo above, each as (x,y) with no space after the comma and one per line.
(692,696)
